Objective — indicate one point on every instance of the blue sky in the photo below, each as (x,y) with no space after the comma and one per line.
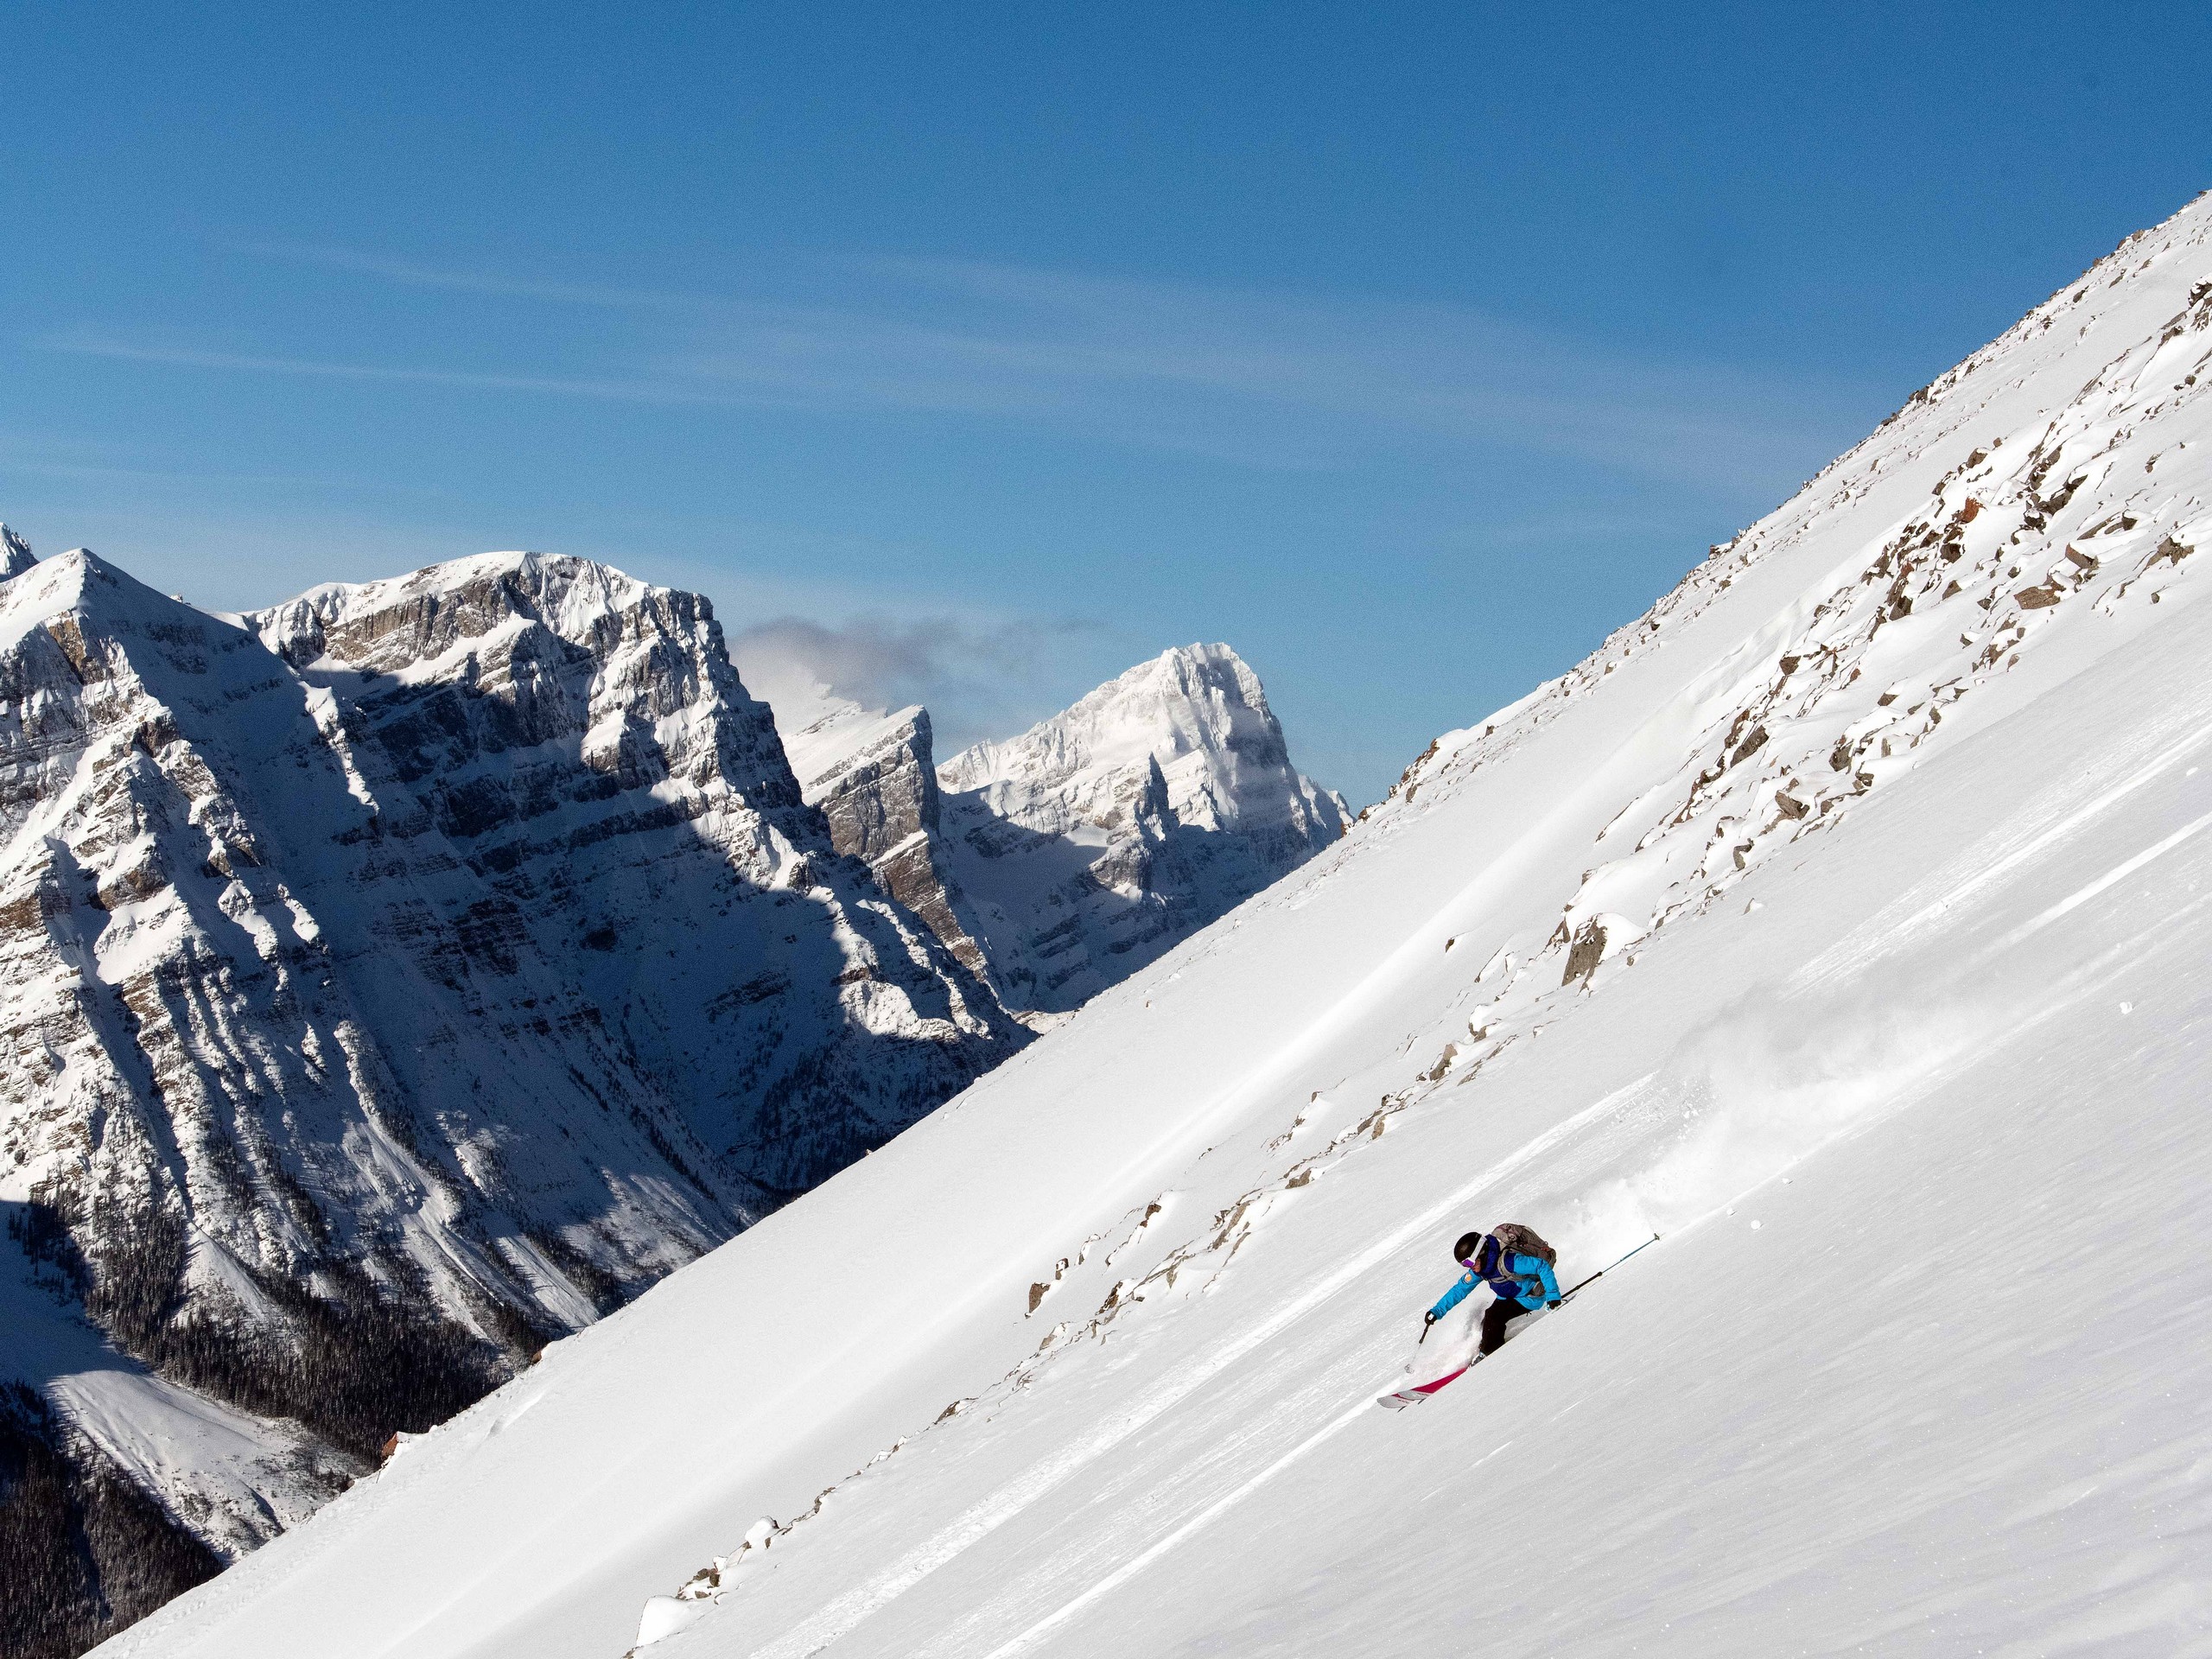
(986,349)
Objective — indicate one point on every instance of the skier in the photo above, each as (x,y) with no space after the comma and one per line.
(1516,1264)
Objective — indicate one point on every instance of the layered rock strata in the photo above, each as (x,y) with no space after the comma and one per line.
(873,776)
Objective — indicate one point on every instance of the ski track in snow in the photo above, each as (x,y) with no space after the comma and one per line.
(1122,1574)
(1129,1569)
(2112,878)
(2164,762)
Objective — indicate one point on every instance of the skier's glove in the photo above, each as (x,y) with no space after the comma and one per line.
(1428,1319)
(1554,1302)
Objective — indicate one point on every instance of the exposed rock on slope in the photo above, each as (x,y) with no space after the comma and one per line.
(1090,844)
(397,977)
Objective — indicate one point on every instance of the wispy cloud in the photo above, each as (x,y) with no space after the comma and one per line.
(1261,379)
(978,676)
(88,344)
(412,274)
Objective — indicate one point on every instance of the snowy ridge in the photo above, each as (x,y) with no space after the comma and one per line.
(1834,924)
(1836,691)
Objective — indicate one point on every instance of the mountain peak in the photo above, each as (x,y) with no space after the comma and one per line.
(1198,710)
(1094,841)
(16,555)
(42,592)
(1189,700)
(414,620)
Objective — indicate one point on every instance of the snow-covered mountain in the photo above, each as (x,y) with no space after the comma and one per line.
(1089,844)
(1840,921)
(1060,862)
(390,981)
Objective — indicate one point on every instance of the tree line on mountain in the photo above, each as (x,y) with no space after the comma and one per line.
(83,1551)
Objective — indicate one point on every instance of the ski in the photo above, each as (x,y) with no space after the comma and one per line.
(1420,1392)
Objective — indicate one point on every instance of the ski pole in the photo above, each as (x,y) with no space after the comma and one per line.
(1610,1266)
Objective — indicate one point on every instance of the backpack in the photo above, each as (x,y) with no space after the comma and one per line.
(1523,1241)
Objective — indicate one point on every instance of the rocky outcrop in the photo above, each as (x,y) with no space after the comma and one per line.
(874,777)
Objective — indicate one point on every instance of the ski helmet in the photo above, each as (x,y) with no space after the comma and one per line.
(1468,1244)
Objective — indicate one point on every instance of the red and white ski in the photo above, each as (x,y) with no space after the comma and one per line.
(1421,1391)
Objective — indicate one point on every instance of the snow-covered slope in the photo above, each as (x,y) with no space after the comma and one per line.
(399,977)
(1087,846)
(1841,921)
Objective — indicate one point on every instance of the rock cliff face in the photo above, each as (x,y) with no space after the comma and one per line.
(873,776)
(392,981)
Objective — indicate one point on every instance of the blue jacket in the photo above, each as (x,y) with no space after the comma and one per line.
(1524,1279)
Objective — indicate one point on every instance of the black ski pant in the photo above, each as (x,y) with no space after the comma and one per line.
(1499,1314)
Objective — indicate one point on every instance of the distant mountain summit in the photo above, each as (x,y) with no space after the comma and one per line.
(1061,861)
(14,553)
(1087,846)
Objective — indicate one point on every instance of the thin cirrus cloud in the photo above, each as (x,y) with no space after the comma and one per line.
(412,274)
(91,343)
(1258,380)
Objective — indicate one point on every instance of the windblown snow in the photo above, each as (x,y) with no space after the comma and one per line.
(1840,921)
